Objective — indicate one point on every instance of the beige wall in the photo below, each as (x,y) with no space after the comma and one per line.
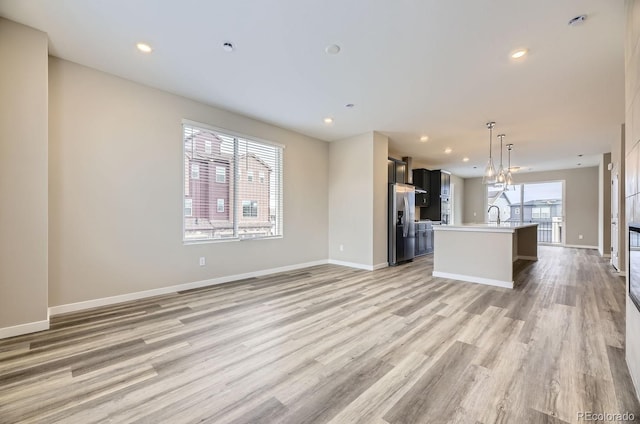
(475,202)
(581,201)
(351,197)
(632,173)
(458,199)
(23,175)
(115,190)
(380,198)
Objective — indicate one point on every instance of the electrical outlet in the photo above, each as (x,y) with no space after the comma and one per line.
(580,236)
(342,247)
(203,261)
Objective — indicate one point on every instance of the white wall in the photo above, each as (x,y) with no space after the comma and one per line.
(581,201)
(115,190)
(23,179)
(604,205)
(632,171)
(357,200)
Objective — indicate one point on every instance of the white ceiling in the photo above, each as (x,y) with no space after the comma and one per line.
(411,67)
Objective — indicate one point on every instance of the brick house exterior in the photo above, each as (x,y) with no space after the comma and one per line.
(208,190)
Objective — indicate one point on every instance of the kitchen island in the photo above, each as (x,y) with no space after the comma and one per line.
(483,253)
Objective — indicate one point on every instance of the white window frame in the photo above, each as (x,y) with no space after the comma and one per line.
(220,205)
(190,207)
(208,147)
(222,174)
(276,185)
(261,177)
(251,208)
(250,176)
(195,171)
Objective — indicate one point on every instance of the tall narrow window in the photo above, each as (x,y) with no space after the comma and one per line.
(195,171)
(221,174)
(217,207)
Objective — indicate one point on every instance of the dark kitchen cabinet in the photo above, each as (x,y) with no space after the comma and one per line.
(421,178)
(424,238)
(397,170)
(439,191)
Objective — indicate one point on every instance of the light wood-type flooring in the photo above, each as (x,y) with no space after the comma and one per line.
(330,344)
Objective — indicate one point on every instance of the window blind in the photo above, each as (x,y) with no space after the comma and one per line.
(222,199)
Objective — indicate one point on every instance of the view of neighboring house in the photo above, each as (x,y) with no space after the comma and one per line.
(209,190)
(540,203)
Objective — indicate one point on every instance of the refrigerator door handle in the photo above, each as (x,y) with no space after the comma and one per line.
(405,227)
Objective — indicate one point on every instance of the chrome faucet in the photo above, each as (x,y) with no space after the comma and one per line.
(489,211)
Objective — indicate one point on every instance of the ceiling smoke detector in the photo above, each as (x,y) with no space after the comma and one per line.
(332,49)
(577,20)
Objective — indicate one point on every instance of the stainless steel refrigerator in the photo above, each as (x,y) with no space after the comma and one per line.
(402,233)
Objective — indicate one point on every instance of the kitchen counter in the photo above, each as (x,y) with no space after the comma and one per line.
(509,227)
(483,253)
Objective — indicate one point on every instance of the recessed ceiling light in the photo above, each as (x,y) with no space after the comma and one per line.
(144,47)
(424,138)
(465,159)
(228,47)
(577,20)
(328,120)
(519,53)
(448,150)
(349,105)
(332,49)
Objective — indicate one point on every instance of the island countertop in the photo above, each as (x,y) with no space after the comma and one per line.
(483,253)
(507,227)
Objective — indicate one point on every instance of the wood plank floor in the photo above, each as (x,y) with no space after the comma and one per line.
(334,345)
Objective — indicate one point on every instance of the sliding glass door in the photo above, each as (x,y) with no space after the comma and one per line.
(542,203)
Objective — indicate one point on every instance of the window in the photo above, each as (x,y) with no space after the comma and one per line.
(207,147)
(195,171)
(250,208)
(516,211)
(221,174)
(217,198)
(541,213)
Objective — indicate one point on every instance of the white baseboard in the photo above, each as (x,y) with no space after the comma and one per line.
(578,246)
(472,279)
(105,301)
(18,330)
(354,265)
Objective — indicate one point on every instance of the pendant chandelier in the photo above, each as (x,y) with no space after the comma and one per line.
(490,171)
(501,174)
(509,176)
